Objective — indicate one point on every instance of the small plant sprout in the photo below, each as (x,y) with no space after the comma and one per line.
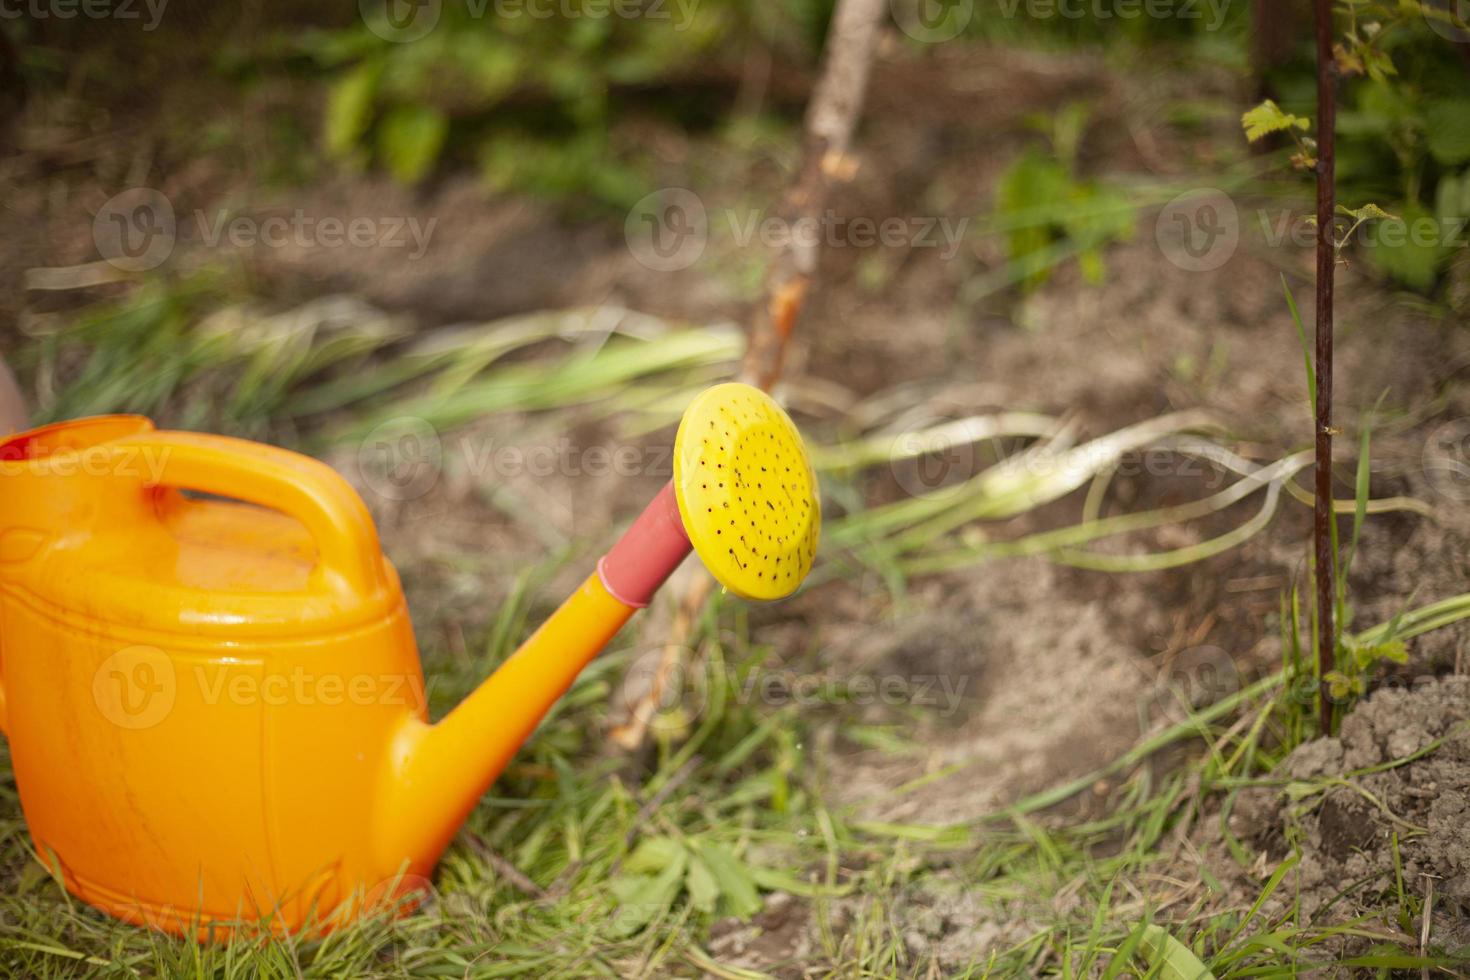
(1366,213)
(1268,118)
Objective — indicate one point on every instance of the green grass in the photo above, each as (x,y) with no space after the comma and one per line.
(626,890)
(633,861)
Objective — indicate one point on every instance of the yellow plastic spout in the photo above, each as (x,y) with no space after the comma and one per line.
(743,496)
(438,772)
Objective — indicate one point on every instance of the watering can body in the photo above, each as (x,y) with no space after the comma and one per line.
(208,677)
(200,694)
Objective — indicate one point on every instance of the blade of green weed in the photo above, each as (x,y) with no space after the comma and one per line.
(1171,959)
(1301,333)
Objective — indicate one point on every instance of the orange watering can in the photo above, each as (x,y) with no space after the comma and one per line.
(215,708)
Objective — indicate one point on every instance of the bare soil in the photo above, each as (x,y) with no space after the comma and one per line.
(1386,801)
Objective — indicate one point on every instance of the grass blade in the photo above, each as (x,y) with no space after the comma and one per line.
(1169,958)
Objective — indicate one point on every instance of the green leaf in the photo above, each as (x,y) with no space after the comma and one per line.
(1301,790)
(1448,130)
(1272,883)
(490,65)
(642,898)
(1098,216)
(1028,195)
(1267,118)
(1035,182)
(1340,685)
(410,138)
(1171,959)
(1366,212)
(1037,197)
(1384,110)
(1360,512)
(654,855)
(1366,655)
(1091,264)
(737,887)
(1301,336)
(1452,198)
(777,880)
(1379,64)
(1125,954)
(1413,252)
(703,889)
(350,107)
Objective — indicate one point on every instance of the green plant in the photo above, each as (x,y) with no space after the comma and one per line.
(1403,131)
(1053,214)
(1362,48)
(1320,156)
(532,98)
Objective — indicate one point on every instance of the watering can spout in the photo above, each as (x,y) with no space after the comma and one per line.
(438,772)
(743,496)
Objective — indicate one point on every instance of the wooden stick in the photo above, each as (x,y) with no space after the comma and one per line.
(831,118)
(837,101)
(1322,511)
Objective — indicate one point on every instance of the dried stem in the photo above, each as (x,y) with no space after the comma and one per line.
(1326,268)
(831,117)
(517,878)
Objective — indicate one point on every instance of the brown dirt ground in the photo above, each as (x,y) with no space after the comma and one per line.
(1348,833)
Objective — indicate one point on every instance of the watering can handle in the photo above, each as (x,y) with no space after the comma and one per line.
(296,485)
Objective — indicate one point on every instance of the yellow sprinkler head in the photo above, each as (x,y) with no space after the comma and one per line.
(746,491)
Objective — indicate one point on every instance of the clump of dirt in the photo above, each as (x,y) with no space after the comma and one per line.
(1399,771)
(778,939)
(946,927)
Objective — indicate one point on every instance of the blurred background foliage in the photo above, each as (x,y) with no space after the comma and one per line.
(533,102)
(547,104)
(562,104)
(1403,128)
